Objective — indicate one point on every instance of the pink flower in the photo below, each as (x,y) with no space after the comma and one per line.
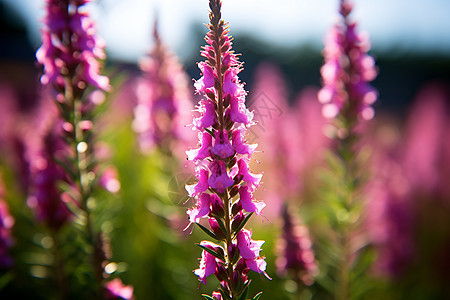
(239,143)
(248,248)
(208,263)
(117,290)
(207,80)
(222,146)
(347,70)
(230,84)
(238,112)
(257,265)
(202,184)
(203,151)
(252,179)
(217,295)
(294,250)
(219,178)
(223,116)
(80,57)
(201,208)
(246,200)
(163,101)
(208,115)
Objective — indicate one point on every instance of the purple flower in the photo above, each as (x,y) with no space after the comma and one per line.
(217,295)
(239,143)
(252,179)
(208,263)
(230,82)
(208,118)
(219,178)
(347,71)
(70,46)
(116,290)
(207,80)
(222,146)
(294,250)
(45,197)
(203,151)
(238,112)
(257,265)
(201,209)
(225,154)
(246,200)
(202,184)
(163,101)
(248,248)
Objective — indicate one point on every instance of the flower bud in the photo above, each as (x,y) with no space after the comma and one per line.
(216,229)
(237,220)
(233,253)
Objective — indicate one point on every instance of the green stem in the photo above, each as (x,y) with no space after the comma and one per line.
(59,266)
(83,182)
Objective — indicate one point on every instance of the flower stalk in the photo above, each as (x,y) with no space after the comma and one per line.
(224,191)
(347,97)
(163,101)
(70,51)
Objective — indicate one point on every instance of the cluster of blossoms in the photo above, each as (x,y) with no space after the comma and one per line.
(163,100)
(224,191)
(6,224)
(411,168)
(294,250)
(70,51)
(347,70)
(44,195)
(347,98)
(293,145)
(70,47)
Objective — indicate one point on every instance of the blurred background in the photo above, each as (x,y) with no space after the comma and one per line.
(281,42)
(410,39)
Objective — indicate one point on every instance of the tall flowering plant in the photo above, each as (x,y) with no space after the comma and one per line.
(347,97)
(163,100)
(70,53)
(224,191)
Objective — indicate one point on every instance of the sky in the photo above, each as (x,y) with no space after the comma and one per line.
(394,26)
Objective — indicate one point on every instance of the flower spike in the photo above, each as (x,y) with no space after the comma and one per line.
(225,185)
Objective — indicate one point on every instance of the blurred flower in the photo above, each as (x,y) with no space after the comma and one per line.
(294,250)
(47,174)
(291,134)
(410,188)
(70,46)
(163,101)
(109,179)
(70,52)
(6,224)
(347,70)
(116,290)
(222,164)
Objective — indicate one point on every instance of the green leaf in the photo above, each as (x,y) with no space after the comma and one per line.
(257,296)
(212,252)
(207,231)
(224,295)
(244,292)
(208,297)
(221,225)
(242,224)
(210,132)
